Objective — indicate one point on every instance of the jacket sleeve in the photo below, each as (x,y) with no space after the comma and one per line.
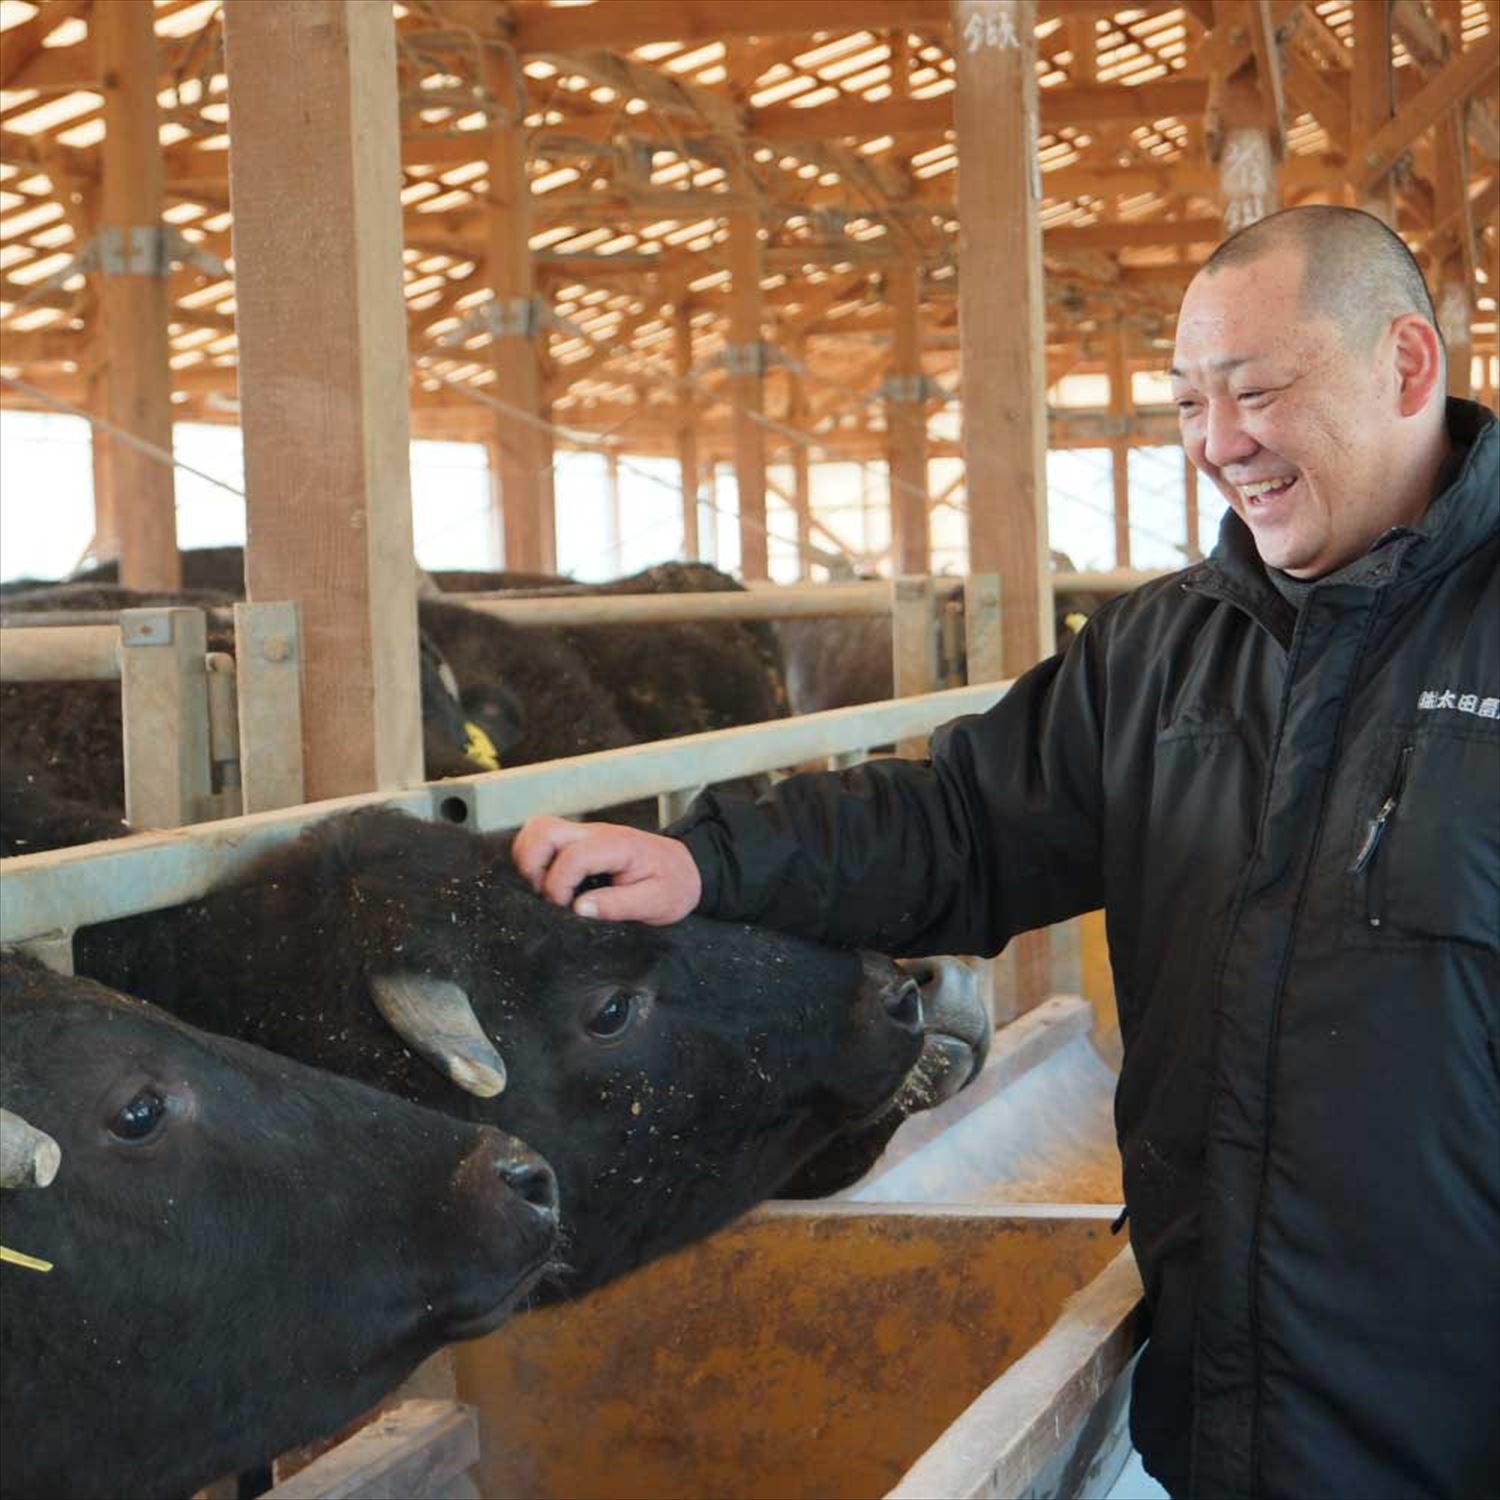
(998,833)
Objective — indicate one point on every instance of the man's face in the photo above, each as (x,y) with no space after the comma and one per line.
(1291,424)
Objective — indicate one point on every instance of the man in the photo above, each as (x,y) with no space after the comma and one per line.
(1279,772)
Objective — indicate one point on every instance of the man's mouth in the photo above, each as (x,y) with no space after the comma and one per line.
(1260,492)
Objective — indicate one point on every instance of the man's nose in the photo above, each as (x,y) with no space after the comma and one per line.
(1225,439)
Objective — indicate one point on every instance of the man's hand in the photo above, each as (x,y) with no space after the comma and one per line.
(652,879)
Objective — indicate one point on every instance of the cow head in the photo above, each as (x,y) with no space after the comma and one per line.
(244,1253)
(672,1076)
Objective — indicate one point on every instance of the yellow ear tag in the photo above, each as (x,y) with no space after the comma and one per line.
(30,1262)
(1075,621)
(481,747)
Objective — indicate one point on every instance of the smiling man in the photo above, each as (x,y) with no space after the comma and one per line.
(1279,773)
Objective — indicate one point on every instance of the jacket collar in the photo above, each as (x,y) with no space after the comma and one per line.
(1461,517)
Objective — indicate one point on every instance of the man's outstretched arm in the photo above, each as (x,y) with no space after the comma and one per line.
(999,833)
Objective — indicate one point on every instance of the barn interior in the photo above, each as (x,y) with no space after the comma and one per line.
(867,305)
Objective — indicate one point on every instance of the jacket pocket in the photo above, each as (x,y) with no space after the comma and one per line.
(1426,859)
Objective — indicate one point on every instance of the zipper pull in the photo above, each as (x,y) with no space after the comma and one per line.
(1376,831)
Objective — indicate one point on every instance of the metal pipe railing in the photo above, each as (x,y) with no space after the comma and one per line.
(51,894)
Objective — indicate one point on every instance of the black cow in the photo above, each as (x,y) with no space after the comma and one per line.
(672,1076)
(62,740)
(244,1254)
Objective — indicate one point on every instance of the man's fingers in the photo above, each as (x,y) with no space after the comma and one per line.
(641,902)
(576,861)
(538,842)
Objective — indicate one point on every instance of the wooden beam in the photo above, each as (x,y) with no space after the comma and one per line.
(906,423)
(796,417)
(1135,235)
(1002,325)
(1120,404)
(1182,98)
(623,24)
(1454,281)
(746,389)
(20,45)
(687,432)
(131,285)
(1468,73)
(1371,97)
(324,405)
(530,530)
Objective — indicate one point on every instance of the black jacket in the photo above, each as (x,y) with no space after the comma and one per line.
(1292,820)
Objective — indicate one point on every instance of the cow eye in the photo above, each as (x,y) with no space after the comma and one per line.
(140,1119)
(613,1016)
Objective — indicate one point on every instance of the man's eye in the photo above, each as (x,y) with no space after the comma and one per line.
(1249,395)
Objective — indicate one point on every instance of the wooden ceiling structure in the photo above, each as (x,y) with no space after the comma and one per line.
(707,228)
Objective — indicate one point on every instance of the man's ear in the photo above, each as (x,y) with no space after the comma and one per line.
(1419,363)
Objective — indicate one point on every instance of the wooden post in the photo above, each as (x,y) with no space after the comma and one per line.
(711,497)
(1190,502)
(687,431)
(1370,96)
(106,541)
(913,648)
(132,288)
(613,539)
(317,247)
(746,389)
(796,418)
(1454,279)
(518,320)
(1002,336)
(1245,128)
(268,655)
(982,639)
(906,422)
(164,714)
(1119,443)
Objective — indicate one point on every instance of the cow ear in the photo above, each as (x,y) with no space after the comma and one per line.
(28,1157)
(436,1020)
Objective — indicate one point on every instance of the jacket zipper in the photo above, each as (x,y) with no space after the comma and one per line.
(1374,836)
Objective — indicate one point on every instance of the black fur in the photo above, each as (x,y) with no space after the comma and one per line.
(752,1050)
(287,1249)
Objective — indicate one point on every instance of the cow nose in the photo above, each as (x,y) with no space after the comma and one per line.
(530,1179)
(902,1001)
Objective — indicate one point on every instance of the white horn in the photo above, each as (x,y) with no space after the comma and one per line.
(434,1017)
(28,1157)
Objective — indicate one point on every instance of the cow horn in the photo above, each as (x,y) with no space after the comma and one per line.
(436,1019)
(28,1157)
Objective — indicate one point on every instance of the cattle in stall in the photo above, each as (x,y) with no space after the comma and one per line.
(63,739)
(673,1076)
(215,1253)
(837,663)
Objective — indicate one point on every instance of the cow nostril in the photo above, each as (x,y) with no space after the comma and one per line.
(903,1004)
(532,1182)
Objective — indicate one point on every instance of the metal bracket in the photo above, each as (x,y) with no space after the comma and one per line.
(139,250)
(748,359)
(912,389)
(139,627)
(502,318)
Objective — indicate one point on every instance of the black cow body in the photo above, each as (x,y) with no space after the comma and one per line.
(740,1053)
(62,741)
(246,1254)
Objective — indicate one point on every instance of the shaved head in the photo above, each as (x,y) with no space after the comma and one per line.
(1356,272)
